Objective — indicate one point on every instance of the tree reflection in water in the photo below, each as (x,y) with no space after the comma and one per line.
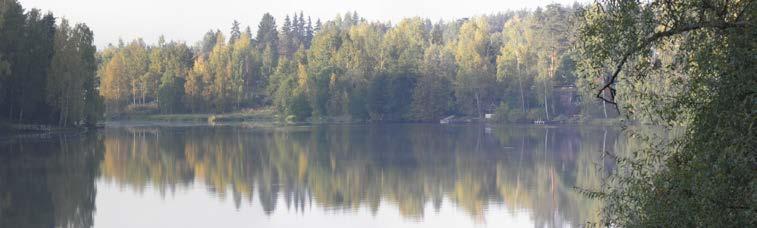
(49,182)
(52,182)
(345,168)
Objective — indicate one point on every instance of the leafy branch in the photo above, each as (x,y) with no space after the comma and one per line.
(651,39)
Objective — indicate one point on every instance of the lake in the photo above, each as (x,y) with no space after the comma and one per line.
(393,175)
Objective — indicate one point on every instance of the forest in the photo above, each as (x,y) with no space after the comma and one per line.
(685,66)
(48,69)
(518,64)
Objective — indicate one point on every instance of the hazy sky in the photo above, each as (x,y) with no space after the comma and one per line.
(188,20)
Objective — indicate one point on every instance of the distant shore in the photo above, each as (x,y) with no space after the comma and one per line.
(269,117)
(261,118)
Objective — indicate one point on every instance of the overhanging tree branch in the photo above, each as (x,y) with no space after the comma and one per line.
(648,41)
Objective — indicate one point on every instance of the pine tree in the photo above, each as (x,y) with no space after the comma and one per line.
(308,34)
(235,32)
(301,32)
(286,39)
(267,34)
(208,42)
(294,33)
(318,26)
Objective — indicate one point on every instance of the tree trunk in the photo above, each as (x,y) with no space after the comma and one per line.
(478,105)
(546,106)
(550,75)
(520,85)
(66,114)
(604,103)
(546,140)
(61,115)
(604,108)
(133,93)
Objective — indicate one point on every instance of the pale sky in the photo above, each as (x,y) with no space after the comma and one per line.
(188,20)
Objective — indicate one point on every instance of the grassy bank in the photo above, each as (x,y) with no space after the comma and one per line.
(20,130)
(258,115)
(268,115)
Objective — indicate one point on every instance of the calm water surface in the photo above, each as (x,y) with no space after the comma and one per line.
(318,176)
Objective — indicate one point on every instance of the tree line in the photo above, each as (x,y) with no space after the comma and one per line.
(516,64)
(512,63)
(47,69)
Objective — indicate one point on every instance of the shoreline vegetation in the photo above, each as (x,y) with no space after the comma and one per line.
(258,115)
(687,64)
(268,116)
(34,131)
(259,118)
(515,65)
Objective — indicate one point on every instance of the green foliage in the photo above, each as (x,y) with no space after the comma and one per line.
(507,114)
(378,99)
(475,76)
(170,93)
(686,65)
(71,90)
(47,72)
(349,68)
(345,67)
(430,99)
(298,106)
(433,95)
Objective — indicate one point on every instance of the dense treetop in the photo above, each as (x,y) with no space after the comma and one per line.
(685,65)
(515,63)
(47,69)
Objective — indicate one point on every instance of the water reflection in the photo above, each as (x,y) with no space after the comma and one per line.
(415,170)
(49,182)
(344,168)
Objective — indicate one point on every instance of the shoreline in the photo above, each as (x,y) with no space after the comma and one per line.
(8,132)
(259,118)
(268,116)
